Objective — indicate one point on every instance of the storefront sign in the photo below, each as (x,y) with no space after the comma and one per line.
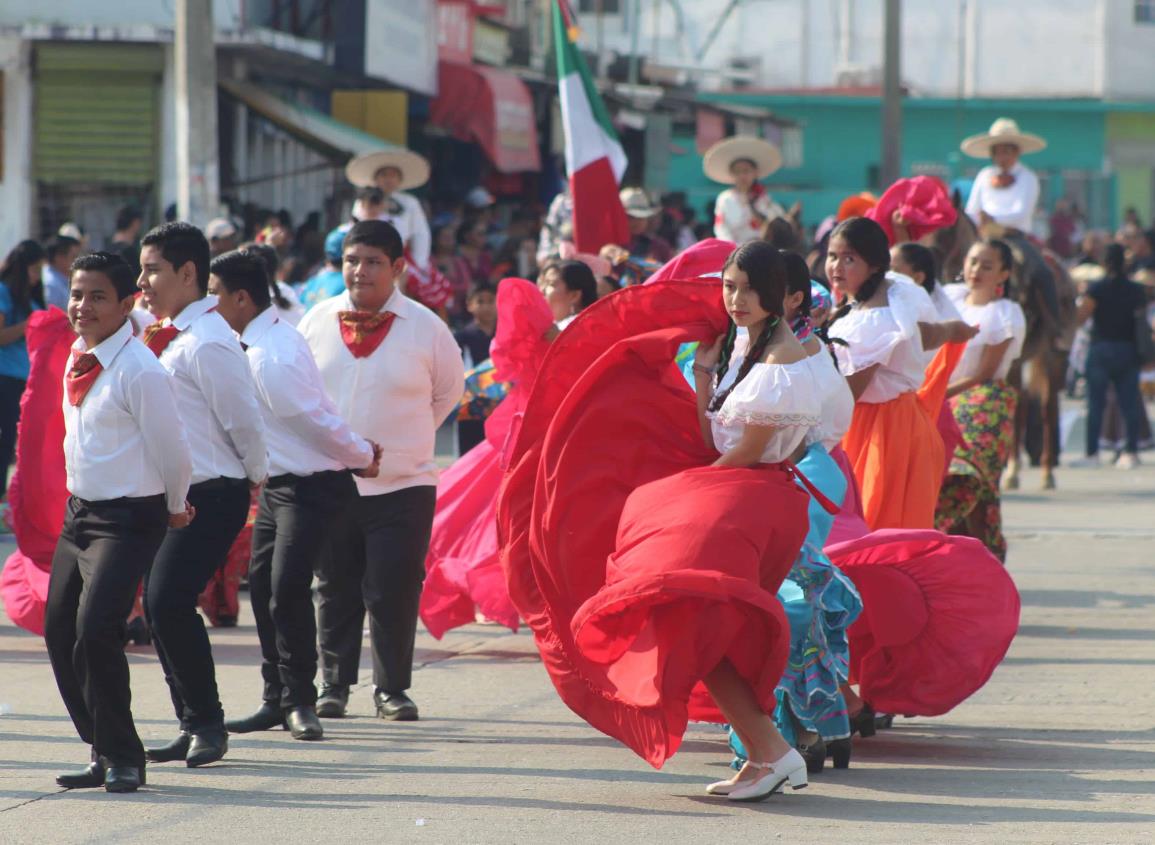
(490,44)
(401,43)
(455,31)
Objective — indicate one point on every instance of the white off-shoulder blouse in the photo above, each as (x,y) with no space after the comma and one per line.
(888,336)
(837,402)
(999,320)
(782,395)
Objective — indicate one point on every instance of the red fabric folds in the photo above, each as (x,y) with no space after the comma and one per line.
(636,565)
(939,613)
(923,201)
(463,570)
(38,491)
(699,260)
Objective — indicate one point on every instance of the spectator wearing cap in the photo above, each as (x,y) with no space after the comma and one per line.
(643,242)
(222,235)
(76,232)
(329,282)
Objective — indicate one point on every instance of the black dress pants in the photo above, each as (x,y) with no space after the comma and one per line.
(295,517)
(376,563)
(187,559)
(103,551)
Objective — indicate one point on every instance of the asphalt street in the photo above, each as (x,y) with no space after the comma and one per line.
(1058,748)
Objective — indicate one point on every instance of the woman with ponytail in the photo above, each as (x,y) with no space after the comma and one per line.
(982,401)
(889,327)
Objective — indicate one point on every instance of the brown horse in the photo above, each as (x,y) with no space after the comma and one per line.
(1044,289)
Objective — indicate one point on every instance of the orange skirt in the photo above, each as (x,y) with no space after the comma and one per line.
(897,455)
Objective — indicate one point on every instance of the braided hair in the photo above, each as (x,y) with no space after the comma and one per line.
(798,281)
(869,240)
(766,271)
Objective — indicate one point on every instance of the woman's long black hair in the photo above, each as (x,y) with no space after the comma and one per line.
(869,240)
(922,261)
(14,273)
(577,276)
(765,268)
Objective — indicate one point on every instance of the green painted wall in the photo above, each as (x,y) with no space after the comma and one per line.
(841,145)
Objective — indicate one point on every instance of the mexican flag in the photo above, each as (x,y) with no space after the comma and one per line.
(594,158)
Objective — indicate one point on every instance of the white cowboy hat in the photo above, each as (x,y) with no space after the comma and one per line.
(721,157)
(637,203)
(414,168)
(1003,131)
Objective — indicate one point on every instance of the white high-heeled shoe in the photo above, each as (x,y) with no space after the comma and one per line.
(725,787)
(789,767)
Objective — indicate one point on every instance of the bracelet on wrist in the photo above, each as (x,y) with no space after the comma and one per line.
(704,370)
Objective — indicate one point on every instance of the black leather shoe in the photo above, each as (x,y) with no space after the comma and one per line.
(303,723)
(395,706)
(175,750)
(123,779)
(87,778)
(268,717)
(333,701)
(206,747)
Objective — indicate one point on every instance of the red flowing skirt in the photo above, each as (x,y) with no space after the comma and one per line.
(637,565)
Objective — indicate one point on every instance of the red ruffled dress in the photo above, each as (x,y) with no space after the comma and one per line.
(38,493)
(637,565)
(462,569)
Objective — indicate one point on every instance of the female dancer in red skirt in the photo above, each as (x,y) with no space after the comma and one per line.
(646,531)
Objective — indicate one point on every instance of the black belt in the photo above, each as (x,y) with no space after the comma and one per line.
(122,501)
(221,483)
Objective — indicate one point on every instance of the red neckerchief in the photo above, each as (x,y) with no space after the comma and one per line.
(157,337)
(1002,179)
(81,376)
(363,332)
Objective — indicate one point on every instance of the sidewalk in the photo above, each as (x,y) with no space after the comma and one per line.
(1058,748)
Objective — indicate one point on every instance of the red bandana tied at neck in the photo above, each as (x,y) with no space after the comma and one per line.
(157,337)
(1002,180)
(364,332)
(81,376)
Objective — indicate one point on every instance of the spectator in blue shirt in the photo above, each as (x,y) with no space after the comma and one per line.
(329,282)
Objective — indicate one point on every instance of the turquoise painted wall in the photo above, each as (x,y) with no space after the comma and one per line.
(841,144)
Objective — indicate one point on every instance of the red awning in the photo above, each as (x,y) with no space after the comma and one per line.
(492,108)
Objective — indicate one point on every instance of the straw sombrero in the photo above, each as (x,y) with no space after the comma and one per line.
(1002,131)
(719,158)
(414,168)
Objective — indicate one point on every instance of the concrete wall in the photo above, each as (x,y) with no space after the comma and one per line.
(1131,55)
(16,184)
(978,48)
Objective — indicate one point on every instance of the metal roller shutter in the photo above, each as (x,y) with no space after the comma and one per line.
(97,113)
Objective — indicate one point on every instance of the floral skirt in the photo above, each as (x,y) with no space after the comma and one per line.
(969,501)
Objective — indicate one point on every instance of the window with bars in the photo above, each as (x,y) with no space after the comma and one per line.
(1145,11)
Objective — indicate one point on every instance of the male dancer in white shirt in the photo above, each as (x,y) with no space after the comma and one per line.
(128,469)
(311,453)
(394,372)
(217,403)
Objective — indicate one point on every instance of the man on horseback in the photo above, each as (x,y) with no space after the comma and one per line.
(1006,191)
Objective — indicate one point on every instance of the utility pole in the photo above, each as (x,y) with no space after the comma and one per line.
(892,95)
(197,164)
